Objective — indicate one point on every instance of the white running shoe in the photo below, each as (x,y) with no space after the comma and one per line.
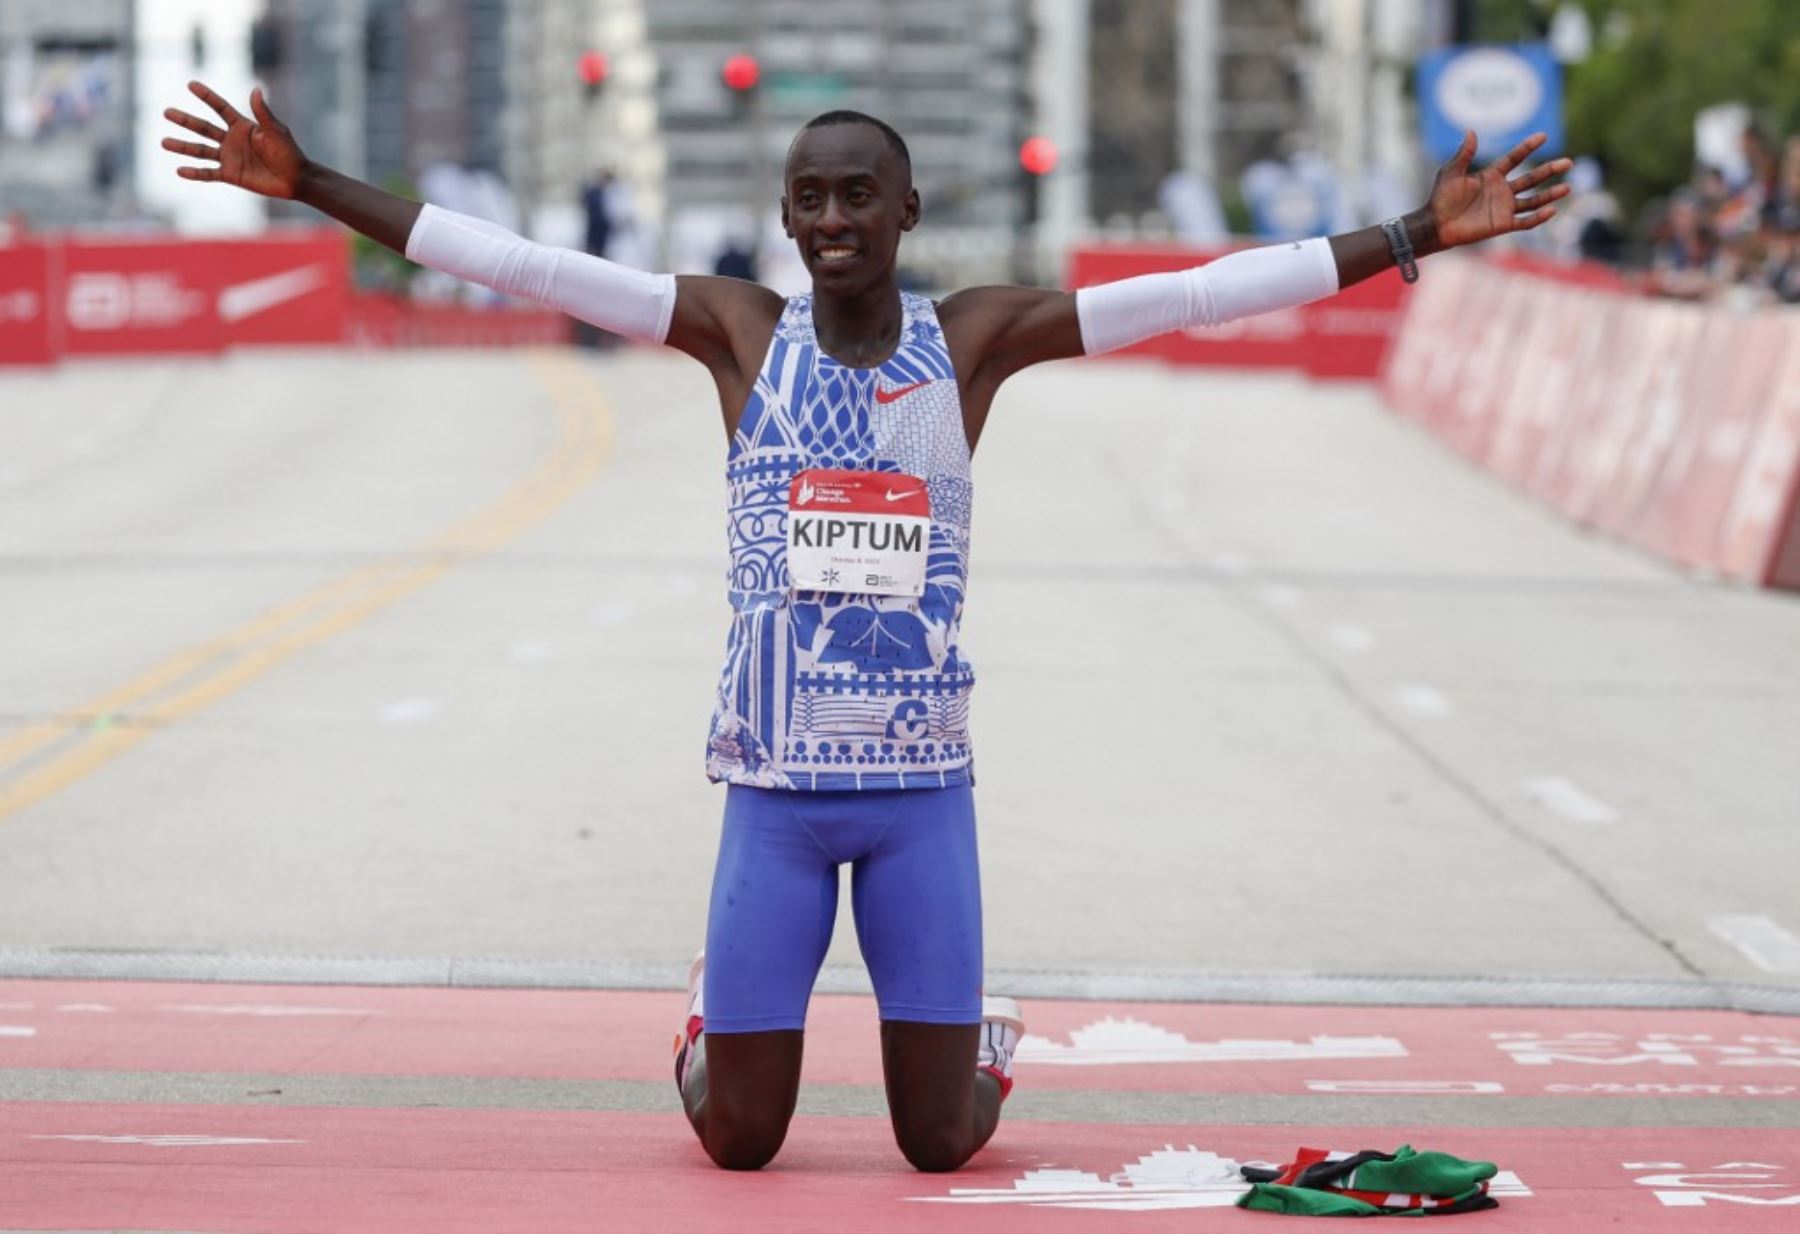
(695,1024)
(1001,1029)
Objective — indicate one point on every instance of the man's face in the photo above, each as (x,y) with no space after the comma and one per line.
(849,196)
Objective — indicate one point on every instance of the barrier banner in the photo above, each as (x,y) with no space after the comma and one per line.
(286,287)
(1348,335)
(26,326)
(387,321)
(139,296)
(1762,527)
(1428,351)
(1738,359)
(1576,400)
(1650,413)
(1673,425)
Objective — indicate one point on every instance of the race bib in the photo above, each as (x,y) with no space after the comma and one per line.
(858,531)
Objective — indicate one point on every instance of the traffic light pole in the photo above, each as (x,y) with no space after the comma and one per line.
(759,136)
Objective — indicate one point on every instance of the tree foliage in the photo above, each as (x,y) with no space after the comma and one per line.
(1655,63)
(1633,101)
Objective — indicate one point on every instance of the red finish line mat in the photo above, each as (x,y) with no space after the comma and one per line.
(1161,1047)
(347,1171)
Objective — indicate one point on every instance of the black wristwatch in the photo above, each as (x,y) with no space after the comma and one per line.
(1401,247)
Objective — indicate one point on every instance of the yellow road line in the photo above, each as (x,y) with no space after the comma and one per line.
(193,679)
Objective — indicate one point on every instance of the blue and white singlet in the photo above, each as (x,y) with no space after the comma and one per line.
(833,690)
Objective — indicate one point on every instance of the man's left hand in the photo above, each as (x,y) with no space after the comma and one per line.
(1468,206)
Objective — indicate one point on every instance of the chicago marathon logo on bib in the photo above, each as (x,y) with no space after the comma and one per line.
(858,531)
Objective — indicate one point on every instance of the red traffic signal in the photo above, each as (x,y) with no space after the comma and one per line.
(593,67)
(1037,155)
(741,72)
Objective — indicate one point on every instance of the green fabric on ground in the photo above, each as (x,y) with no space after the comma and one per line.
(1427,1173)
(1303,1201)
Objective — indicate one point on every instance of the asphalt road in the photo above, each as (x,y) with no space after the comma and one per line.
(411,655)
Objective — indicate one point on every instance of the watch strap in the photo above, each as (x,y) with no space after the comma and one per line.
(1400,245)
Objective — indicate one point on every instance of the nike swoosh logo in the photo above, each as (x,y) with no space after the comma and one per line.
(911,492)
(888,396)
(243,300)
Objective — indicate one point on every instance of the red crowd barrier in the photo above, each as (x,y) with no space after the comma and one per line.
(389,321)
(26,334)
(1674,426)
(80,296)
(1344,336)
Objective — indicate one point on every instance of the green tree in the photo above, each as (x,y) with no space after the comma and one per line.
(1658,62)
(1655,64)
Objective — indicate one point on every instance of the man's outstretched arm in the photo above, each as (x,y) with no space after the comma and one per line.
(996,331)
(711,319)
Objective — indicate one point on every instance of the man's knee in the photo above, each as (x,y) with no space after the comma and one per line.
(934,1149)
(744,1144)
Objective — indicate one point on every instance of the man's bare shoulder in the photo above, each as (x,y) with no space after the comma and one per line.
(1009,327)
(730,295)
(722,321)
(1000,302)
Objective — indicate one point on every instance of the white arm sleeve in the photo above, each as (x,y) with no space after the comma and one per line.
(1115,315)
(613,297)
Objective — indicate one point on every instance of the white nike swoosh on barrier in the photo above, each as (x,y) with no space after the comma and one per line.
(911,492)
(243,300)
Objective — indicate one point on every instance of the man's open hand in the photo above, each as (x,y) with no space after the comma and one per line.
(260,155)
(1467,206)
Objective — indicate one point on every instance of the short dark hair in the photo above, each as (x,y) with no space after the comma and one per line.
(844,115)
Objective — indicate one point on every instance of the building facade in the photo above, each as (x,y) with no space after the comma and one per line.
(66,84)
(949,75)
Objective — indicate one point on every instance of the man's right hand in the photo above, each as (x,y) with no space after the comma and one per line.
(260,155)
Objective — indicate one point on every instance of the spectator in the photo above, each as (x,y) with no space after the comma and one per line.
(1733,239)
(736,260)
(1686,250)
(1784,213)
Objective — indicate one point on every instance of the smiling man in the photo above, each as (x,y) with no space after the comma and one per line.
(841,722)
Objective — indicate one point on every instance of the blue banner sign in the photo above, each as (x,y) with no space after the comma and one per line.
(1503,92)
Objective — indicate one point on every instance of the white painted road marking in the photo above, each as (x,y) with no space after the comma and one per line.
(268,1009)
(1110,1041)
(409,711)
(1353,639)
(1408,1088)
(1423,701)
(14,1030)
(1763,942)
(1560,796)
(1169,1178)
(99,1008)
(168,1141)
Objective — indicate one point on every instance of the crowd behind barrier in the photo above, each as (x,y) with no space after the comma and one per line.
(1675,426)
(1715,238)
